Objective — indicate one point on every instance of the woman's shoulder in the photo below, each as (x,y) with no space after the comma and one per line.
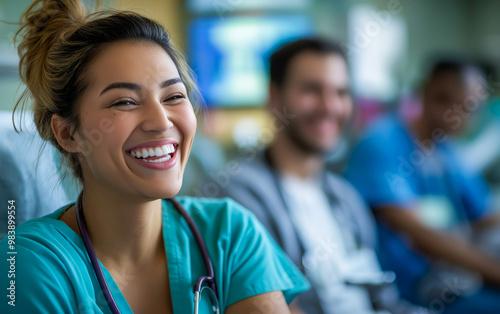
(217,210)
(46,231)
(224,222)
(210,203)
(46,242)
(45,239)
(43,261)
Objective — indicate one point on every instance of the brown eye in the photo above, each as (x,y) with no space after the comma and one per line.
(123,103)
(176,97)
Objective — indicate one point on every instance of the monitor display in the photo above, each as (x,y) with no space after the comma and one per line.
(230,55)
(223,7)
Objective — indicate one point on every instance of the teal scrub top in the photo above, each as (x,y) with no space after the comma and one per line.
(53,273)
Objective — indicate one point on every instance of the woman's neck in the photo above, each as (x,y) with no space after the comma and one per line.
(125,232)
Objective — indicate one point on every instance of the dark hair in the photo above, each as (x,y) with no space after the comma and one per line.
(280,59)
(454,66)
(59,40)
(447,67)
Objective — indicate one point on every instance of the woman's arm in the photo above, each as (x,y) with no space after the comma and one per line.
(265,303)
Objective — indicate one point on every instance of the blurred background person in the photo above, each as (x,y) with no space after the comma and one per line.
(428,204)
(316,216)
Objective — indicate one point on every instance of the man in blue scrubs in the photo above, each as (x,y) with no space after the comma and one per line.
(427,203)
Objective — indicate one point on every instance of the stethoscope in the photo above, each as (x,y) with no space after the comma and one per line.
(199,287)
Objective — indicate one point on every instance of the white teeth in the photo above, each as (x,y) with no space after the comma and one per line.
(158,152)
(153,151)
(159,159)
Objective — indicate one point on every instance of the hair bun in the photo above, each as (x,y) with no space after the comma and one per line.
(58,12)
(43,24)
(39,19)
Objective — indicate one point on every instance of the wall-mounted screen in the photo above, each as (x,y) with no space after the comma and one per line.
(230,55)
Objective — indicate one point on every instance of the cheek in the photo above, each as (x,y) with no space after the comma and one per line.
(438,112)
(186,122)
(348,108)
(191,121)
(104,133)
(300,101)
(88,135)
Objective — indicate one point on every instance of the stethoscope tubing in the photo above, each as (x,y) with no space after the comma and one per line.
(82,225)
(209,279)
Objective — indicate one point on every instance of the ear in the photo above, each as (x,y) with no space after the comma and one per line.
(63,134)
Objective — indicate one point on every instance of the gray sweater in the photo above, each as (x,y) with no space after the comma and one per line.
(255,186)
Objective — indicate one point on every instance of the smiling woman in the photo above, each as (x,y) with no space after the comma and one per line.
(113,95)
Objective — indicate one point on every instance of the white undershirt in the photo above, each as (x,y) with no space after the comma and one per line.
(329,248)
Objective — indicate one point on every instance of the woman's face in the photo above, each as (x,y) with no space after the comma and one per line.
(136,122)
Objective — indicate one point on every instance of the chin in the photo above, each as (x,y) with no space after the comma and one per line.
(161,193)
(323,146)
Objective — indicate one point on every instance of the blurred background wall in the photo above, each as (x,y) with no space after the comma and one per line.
(227,42)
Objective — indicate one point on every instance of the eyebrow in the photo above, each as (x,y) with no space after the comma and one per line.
(137,87)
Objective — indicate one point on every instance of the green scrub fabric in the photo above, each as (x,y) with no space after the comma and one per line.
(53,273)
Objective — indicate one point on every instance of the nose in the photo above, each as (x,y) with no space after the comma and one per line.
(155,117)
(331,102)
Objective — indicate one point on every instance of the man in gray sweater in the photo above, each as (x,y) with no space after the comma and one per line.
(316,217)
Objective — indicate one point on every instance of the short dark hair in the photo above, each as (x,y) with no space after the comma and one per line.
(453,66)
(280,59)
(441,67)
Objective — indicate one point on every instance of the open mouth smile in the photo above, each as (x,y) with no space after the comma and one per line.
(157,157)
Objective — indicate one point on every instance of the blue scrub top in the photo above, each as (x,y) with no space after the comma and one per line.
(388,166)
(53,273)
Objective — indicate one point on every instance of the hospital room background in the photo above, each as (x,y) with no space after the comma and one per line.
(389,43)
